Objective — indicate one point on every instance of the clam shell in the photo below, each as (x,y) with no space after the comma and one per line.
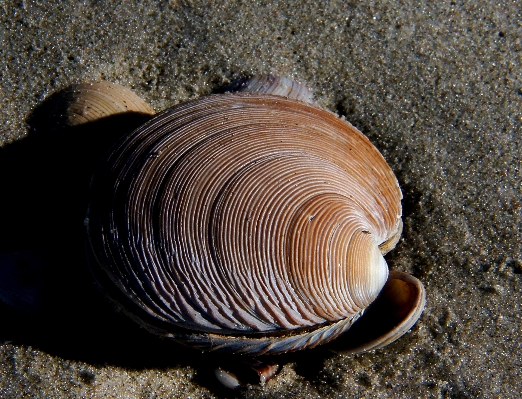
(397,309)
(275,85)
(90,102)
(244,222)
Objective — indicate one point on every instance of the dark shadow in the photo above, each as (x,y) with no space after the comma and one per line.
(412,217)
(345,107)
(309,364)
(233,86)
(47,296)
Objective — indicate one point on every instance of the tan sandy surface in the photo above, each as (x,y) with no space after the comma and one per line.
(436,86)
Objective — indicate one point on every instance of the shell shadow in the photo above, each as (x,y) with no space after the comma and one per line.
(47,296)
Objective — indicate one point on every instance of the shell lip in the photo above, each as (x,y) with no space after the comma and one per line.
(392,315)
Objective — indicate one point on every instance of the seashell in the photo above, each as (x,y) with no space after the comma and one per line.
(248,223)
(272,84)
(90,102)
(397,309)
(247,370)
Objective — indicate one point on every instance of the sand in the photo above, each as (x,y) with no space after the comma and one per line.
(435,85)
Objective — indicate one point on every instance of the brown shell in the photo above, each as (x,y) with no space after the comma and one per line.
(244,222)
(89,102)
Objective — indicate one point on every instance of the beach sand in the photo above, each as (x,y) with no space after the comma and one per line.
(435,85)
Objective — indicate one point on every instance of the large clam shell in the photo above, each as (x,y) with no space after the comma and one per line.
(244,222)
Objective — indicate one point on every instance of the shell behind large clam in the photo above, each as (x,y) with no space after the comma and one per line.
(244,222)
(88,102)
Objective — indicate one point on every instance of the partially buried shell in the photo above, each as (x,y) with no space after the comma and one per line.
(249,223)
(87,102)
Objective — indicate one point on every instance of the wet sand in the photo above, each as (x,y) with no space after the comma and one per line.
(436,86)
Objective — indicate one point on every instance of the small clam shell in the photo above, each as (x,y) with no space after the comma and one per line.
(275,85)
(246,223)
(397,309)
(89,102)
(244,371)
